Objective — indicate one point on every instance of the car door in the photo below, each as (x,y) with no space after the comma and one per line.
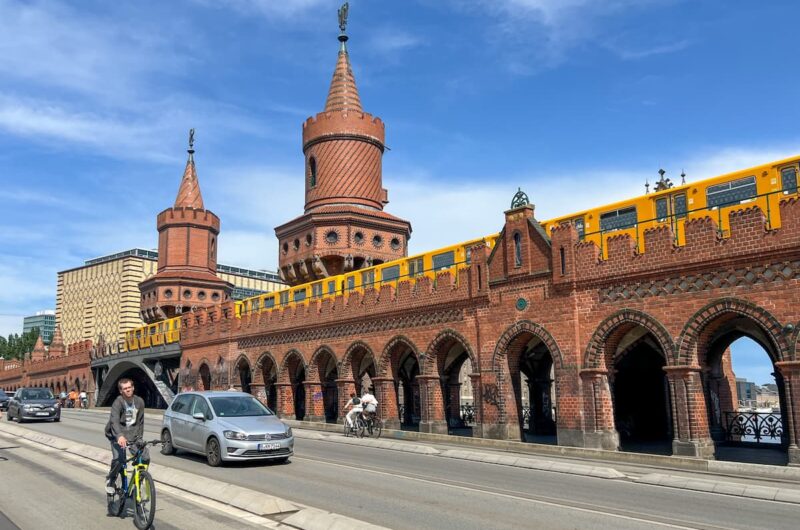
(198,430)
(179,419)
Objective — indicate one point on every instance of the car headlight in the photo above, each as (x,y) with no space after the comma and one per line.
(26,407)
(288,431)
(234,435)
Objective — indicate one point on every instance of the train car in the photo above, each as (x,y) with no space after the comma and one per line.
(763,186)
(157,334)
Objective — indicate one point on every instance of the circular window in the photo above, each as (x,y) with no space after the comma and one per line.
(395,243)
(358,238)
(201,295)
(168,294)
(296,244)
(187,294)
(285,248)
(308,240)
(215,296)
(332,237)
(377,240)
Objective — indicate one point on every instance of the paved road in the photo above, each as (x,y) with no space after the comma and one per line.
(409,491)
(44,490)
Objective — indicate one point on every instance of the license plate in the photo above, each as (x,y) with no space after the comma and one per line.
(42,413)
(268,447)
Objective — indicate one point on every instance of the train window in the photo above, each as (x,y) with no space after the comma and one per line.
(351,283)
(316,290)
(138,333)
(284,297)
(580,226)
(269,303)
(255,304)
(299,295)
(469,256)
(367,278)
(152,330)
(661,209)
(443,260)
(789,179)
(332,287)
(415,267)
(733,192)
(389,274)
(618,219)
(679,205)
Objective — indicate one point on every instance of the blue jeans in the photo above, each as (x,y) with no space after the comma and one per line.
(117,461)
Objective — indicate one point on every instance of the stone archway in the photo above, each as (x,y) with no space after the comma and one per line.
(705,343)
(356,374)
(266,376)
(291,391)
(526,362)
(397,385)
(243,374)
(322,394)
(204,376)
(448,361)
(628,398)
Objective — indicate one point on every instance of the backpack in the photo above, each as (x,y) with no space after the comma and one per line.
(356,401)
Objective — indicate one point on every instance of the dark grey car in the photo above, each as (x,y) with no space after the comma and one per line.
(225,426)
(33,404)
(4,399)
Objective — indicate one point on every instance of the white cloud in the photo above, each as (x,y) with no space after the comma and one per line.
(281,10)
(630,54)
(392,40)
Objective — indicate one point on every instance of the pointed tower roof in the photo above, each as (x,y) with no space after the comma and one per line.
(57,348)
(38,352)
(343,94)
(189,195)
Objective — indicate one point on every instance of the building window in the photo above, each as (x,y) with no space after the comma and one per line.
(309,239)
(296,244)
(395,243)
(312,171)
(187,294)
(377,241)
(517,249)
(215,296)
(358,238)
(285,247)
(332,237)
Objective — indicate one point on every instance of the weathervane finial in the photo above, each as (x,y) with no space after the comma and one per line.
(191,144)
(343,24)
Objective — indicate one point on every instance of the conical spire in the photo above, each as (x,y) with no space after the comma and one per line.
(189,195)
(57,348)
(38,352)
(343,94)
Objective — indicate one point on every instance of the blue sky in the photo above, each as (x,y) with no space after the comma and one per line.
(576,101)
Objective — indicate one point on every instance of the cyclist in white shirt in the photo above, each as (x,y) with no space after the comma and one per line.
(369,403)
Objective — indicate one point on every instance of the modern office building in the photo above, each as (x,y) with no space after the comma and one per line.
(44,320)
(102,297)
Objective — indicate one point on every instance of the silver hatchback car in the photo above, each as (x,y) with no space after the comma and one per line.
(225,426)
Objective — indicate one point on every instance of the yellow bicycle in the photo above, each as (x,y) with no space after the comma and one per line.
(140,487)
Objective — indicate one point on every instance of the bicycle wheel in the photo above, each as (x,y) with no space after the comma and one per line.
(377,429)
(145,505)
(361,427)
(116,500)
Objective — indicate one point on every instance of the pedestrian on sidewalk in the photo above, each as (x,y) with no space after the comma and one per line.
(125,426)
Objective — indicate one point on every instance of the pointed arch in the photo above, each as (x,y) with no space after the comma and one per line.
(615,327)
(697,326)
(385,362)
(258,368)
(346,366)
(313,365)
(448,337)
(283,371)
(526,326)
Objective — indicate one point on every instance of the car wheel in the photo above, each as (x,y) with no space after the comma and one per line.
(166,447)
(284,460)
(18,419)
(213,452)
(57,418)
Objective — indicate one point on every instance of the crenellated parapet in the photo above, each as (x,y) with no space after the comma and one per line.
(657,252)
(327,125)
(447,289)
(185,216)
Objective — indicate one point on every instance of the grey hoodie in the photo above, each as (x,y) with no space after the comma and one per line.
(116,425)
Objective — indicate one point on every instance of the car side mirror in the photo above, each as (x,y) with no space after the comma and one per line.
(199,416)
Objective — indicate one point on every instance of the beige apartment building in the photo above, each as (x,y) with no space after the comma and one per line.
(102,297)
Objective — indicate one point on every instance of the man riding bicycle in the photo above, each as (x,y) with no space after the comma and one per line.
(125,426)
(355,404)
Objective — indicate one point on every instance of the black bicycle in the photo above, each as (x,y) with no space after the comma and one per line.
(140,488)
(369,424)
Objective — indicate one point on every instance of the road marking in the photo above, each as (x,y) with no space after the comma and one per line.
(551,501)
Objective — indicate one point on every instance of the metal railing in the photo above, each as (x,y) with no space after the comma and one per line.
(754,427)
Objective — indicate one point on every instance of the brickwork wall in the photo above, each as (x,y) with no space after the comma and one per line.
(57,373)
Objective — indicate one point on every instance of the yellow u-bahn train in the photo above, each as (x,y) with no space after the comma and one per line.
(763,186)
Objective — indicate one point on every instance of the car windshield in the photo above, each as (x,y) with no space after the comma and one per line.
(238,406)
(2,394)
(36,393)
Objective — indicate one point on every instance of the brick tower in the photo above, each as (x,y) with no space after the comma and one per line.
(187,255)
(344,226)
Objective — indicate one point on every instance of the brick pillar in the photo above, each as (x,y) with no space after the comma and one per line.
(477,427)
(598,409)
(315,405)
(285,400)
(258,390)
(454,400)
(790,406)
(347,387)
(432,416)
(691,434)
(387,399)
